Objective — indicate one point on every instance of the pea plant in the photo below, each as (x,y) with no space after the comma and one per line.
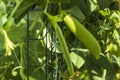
(86,36)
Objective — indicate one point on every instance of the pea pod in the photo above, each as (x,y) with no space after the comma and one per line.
(54,20)
(64,48)
(83,35)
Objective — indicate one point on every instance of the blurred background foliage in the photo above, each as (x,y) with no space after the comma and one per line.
(100,17)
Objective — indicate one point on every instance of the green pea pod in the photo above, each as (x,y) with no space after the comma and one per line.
(54,20)
(64,48)
(83,35)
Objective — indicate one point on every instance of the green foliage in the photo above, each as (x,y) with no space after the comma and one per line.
(100,17)
(77,60)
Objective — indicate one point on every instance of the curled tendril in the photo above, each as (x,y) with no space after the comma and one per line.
(14,72)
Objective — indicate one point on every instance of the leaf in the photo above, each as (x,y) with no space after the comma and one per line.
(77,13)
(3,20)
(9,23)
(22,7)
(106,25)
(21,10)
(77,60)
(49,38)
(2,8)
(34,74)
(84,6)
(17,32)
(93,5)
(104,3)
(105,12)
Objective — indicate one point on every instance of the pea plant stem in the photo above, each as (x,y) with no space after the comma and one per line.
(15,9)
(104,74)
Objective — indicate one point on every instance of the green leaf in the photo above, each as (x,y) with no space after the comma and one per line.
(2,8)
(77,60)
(84,6)
(93,4)
(3,20)
(9,23)
(75,11)
(37,74)
(104,3)
(105,12)
(20,9)
(17,32)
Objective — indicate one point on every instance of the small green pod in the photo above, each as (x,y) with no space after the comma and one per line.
(64,48)
(83,35)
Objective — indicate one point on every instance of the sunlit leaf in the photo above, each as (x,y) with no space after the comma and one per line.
(77,60)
